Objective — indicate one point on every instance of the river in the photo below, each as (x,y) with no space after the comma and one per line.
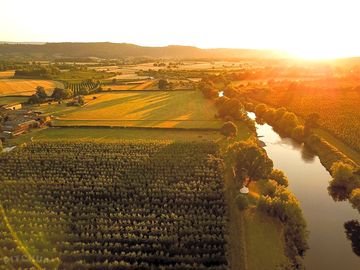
(308,180)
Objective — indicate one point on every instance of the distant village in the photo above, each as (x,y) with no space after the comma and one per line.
(16,119)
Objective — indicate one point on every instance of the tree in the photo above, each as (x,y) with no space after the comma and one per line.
(251,161)
(288,122)
(279,177)
(41,93)
(355,198)
(229,91)
(279,113)
(1,146)
(163,84)
(260,109)
(231,107)
(60,94)
(311,122)
(34,99)
(344,177)
(298,133)
(352,230)
(229,129)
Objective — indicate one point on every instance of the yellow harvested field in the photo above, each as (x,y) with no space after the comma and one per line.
(7,74)
(23,87)
(144,85)
(119,87)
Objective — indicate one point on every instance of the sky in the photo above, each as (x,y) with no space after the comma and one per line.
(305,28)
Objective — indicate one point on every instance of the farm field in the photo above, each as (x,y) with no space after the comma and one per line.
(7,74)
(9,100)
(24,87)
(101,205)
(114,134)
(337,105)
(178,109)
(78,76)
(119,87)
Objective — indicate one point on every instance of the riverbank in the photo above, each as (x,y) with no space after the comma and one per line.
(328,220)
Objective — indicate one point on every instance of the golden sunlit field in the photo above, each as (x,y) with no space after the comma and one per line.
(151,135)
(23,87)
(7,74)
(180,109)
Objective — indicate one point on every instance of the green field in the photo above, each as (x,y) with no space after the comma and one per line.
(264,240)
(77,76)
(10,100)
(160,109)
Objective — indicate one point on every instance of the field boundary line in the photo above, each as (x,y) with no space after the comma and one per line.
(17,240)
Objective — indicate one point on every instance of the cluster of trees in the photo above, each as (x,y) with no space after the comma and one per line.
(70,90)
(346,179)
(229,107)
(40,96)
(37,71)
(287,122)
(251,163)
(163,84)
(11,65)
(129,205)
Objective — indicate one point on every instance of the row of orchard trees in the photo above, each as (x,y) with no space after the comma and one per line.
(124,205)
(83,88)
(70,90)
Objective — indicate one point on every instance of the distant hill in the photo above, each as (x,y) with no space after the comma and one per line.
(123,50)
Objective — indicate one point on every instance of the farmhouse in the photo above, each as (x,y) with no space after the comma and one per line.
(16,122)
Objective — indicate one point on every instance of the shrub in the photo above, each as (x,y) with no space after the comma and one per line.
(229,129)
(242,201)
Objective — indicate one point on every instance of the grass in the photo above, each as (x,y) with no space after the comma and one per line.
(264,240)
(25,87)
(160,109)
(256,240)
(340,145)
(10,100)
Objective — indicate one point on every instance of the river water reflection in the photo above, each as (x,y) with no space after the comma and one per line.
(330,247)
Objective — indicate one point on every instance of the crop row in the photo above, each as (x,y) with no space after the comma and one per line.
(124,205)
